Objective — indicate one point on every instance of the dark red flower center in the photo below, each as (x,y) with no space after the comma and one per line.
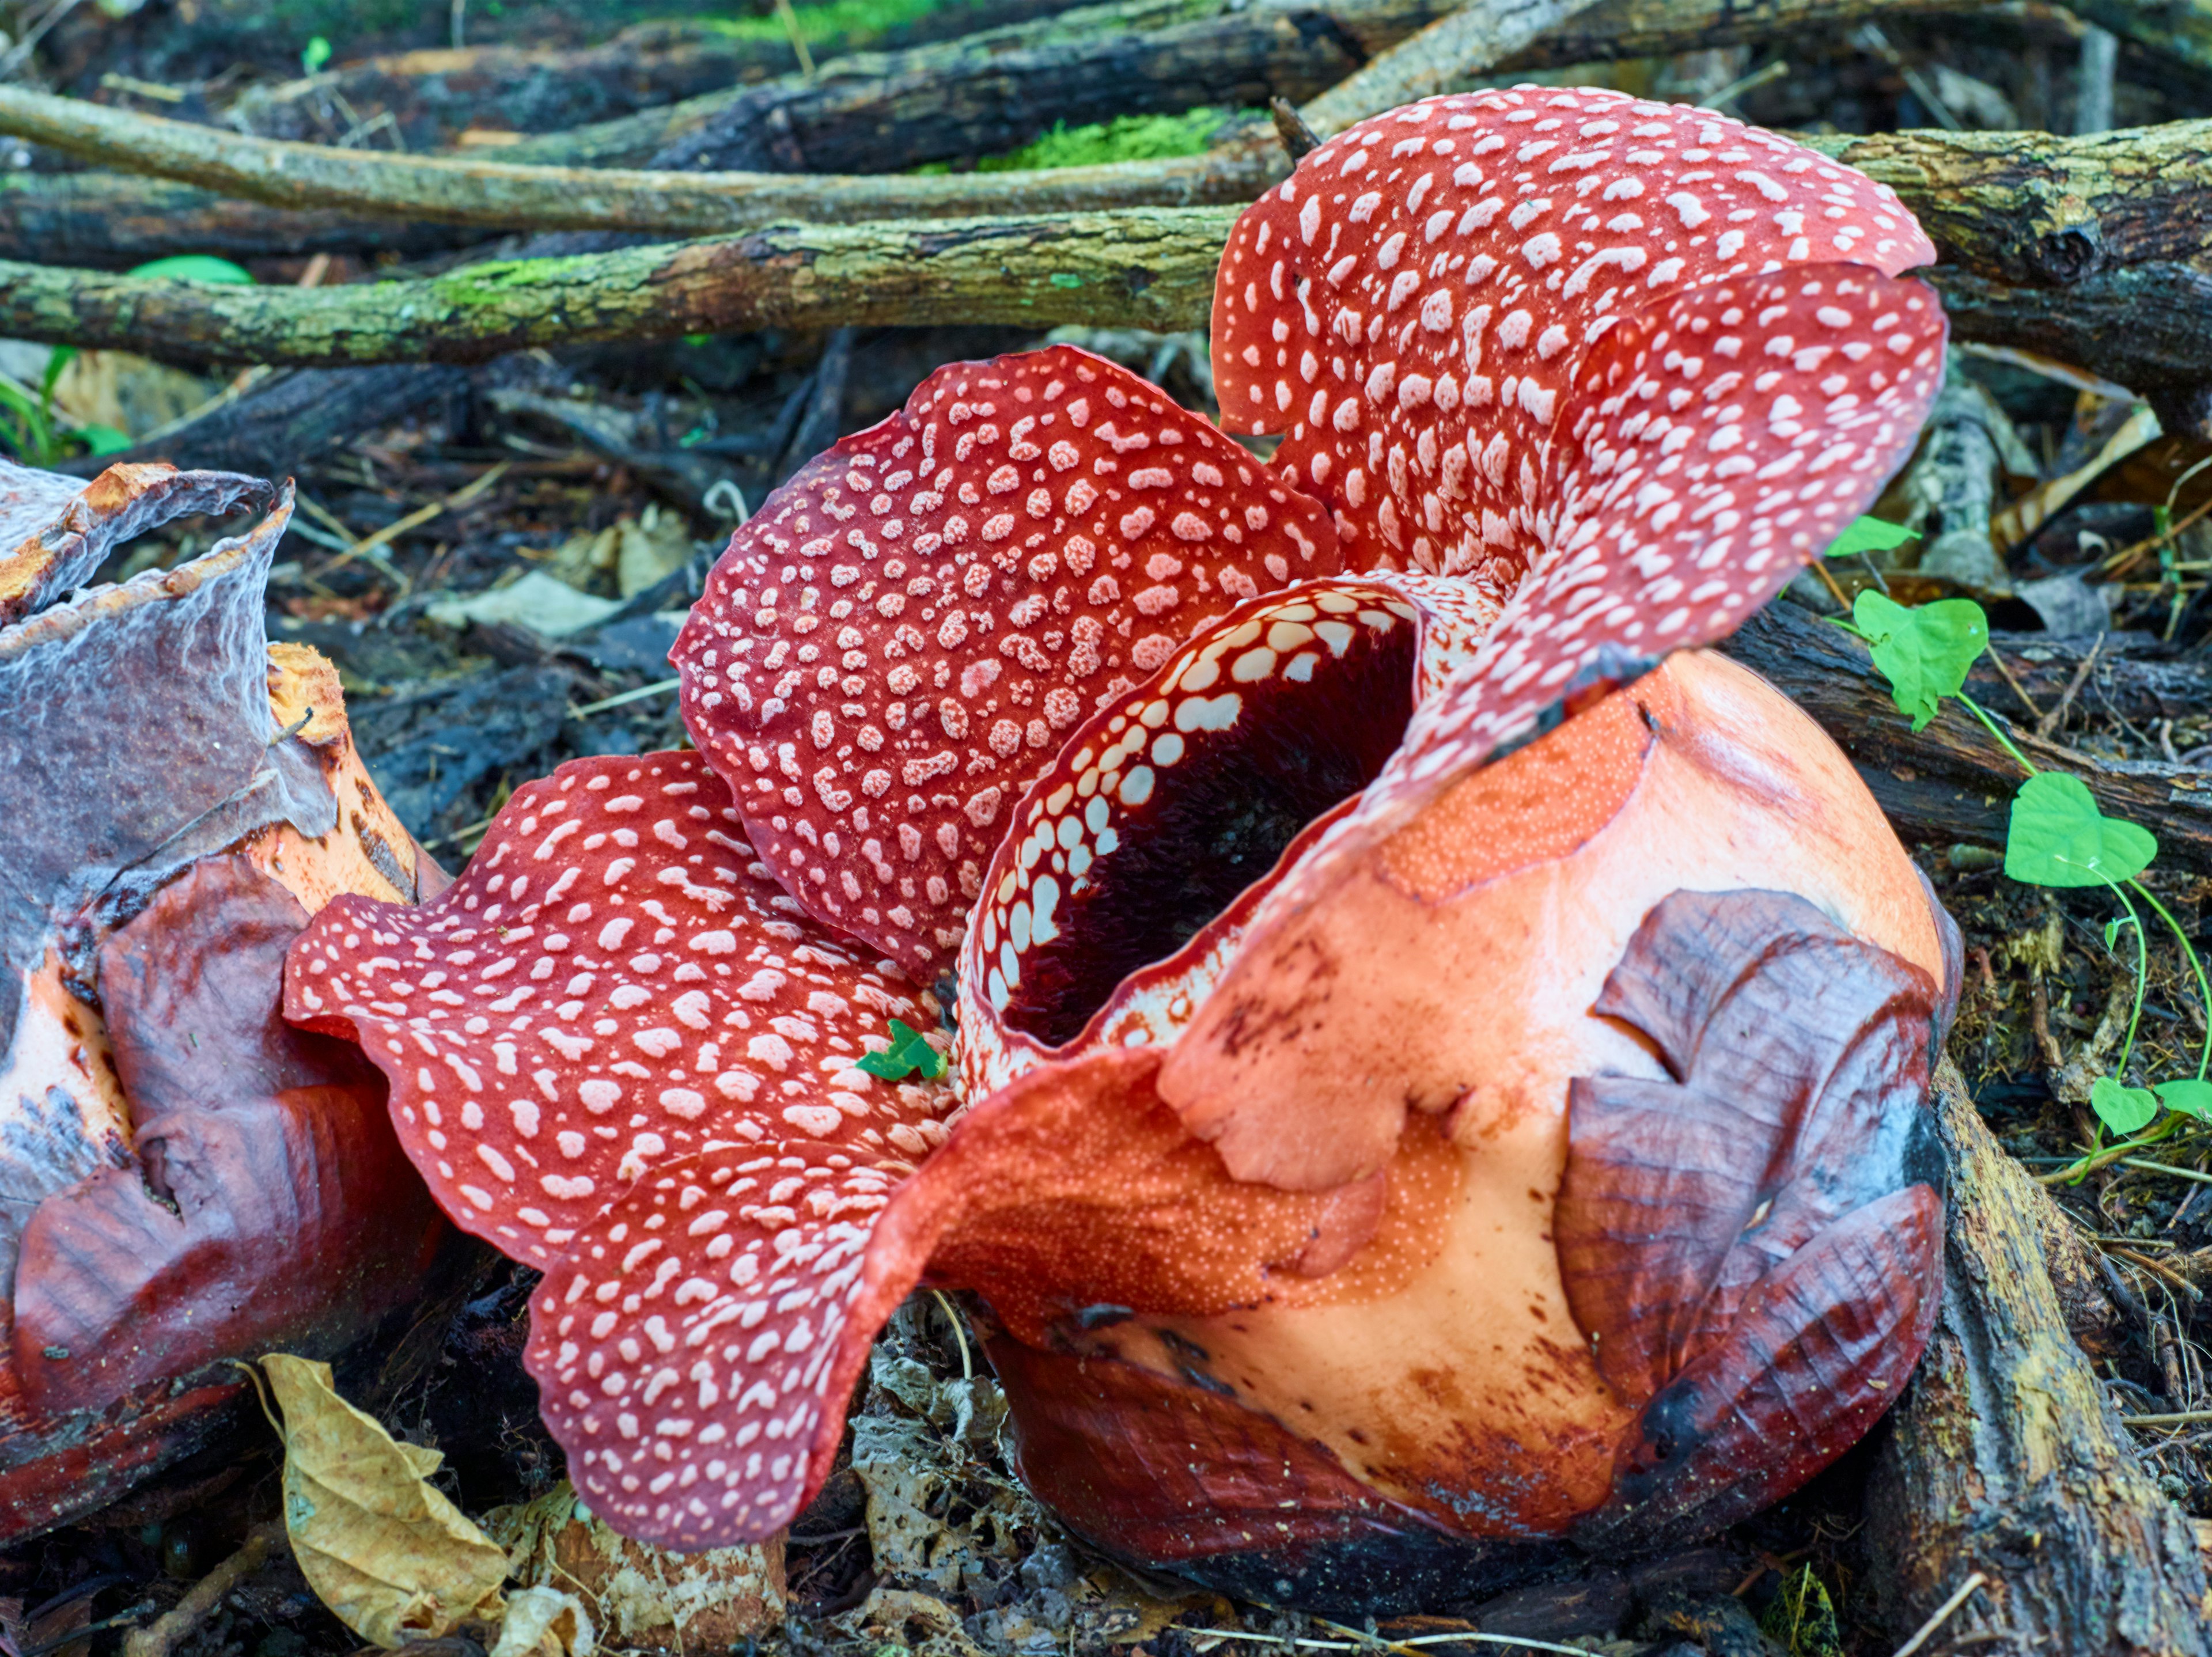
(1162,812)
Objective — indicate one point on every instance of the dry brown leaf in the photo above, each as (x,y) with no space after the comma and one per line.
(392,1558)
(543,1622)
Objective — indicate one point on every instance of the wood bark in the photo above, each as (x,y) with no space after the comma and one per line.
(2004,1458)
(994,92)
(2096,251)
(1952,782)
(502,195)
(108,220)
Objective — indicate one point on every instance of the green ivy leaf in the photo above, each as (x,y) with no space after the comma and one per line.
(2059,838)
(195,267)
(1867,535)
(2190,1097)
(1923,652)
(909,1052)
(2123,1109)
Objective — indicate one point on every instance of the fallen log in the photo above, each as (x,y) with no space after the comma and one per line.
(988,93)
(499,195)
(433,94)
(2004,1460)
(274,429)
(111,221)
(1146,267)
(2145,326)
(1952,783)
(874,114)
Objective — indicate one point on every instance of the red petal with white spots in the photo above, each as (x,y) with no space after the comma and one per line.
(1724,436)
(694,1349)
(1723,440)
(614,983)
(907,631)
(1411,305)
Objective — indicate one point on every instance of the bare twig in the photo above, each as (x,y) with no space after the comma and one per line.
(1942,1614)
(2092,94)
(1871,39)
(165,1634)
(1476,37)
(2051,722)
(621,698)
(2018,689)
(2165,1273)
(2149,1166)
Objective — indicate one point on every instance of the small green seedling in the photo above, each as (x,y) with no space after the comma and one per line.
(2192,1097)
(2057,837)
(2123,1109)
(909,1052)
(315,54)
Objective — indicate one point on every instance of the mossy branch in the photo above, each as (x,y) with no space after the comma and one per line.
(1148,268)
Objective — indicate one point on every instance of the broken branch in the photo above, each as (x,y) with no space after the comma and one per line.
(2003,1460)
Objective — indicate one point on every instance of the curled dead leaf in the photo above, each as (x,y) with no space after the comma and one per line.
(393,1559)
(544,1623)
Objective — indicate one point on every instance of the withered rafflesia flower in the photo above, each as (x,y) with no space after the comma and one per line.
(184,1178)
(1437,1059)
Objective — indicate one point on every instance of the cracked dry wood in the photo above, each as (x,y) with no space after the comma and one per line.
(2004,1457)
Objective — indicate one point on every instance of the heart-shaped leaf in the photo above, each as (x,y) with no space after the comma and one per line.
(1923,652)
(2123,1109)
(1867,535)
(2191,1097)
(2059,838)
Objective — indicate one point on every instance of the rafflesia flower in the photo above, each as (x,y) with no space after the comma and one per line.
(184,1178)
(1436,1059)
